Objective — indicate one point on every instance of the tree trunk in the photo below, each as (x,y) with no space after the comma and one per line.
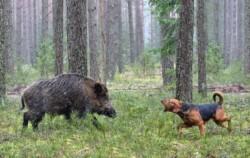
(227,35)
(58,35)
(34,53)
(3,26)
(221,25)
(8,36)
(77,36)
(185,52)
(31,31)
(112,27)
(25,47)
(202,43)
(139,28)
(102,28)
(18,36)
(247,38)
(93,40)
(45,22)
(166,61)
(234,56)
(216,18)
(131,32)
(120,52)
(240,28)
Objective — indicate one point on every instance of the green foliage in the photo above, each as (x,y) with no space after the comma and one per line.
(169,25)
(214,59)
(233,74)
(46,59)
(148,62)
(217,73)
(23,75)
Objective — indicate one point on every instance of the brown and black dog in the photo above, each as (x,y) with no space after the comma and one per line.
(198,115)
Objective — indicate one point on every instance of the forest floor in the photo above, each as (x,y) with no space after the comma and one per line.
(141,129)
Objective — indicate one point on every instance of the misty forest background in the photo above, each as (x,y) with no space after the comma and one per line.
(143,50)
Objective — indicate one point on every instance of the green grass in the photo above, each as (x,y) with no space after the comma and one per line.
(140,130)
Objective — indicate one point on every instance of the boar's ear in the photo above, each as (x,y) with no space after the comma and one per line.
(98,89)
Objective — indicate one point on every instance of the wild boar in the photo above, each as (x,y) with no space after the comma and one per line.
(64,94)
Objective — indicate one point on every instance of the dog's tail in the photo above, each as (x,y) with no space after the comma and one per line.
(23,103)
(220,95)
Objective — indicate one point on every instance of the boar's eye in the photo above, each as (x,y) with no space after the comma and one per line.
(98,89)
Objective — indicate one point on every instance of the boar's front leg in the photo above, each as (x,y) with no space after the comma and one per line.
(26,118)
(67,116)
(95,122)
(82,113)
(36,118)
(67,113)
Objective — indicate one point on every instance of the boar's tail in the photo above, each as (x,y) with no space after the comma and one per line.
(23,103)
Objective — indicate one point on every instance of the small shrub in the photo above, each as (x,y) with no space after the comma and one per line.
(148,63)
(214,59)
(45,59)
(24,74)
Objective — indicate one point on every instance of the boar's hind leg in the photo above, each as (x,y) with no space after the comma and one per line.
(26,118)
(37,117)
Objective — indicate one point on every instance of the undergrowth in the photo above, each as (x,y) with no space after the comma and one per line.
(141,129)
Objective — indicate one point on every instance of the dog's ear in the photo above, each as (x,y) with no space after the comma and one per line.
(177,105)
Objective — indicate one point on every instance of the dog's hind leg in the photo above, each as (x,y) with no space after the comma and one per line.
(202,129)
(221,117)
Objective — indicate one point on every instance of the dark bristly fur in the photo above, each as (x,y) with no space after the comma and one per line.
(64,94)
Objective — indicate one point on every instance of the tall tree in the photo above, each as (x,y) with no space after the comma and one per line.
(185,52)
(234,39)
(202,42)
(112,30)
(58,35)
(25,35)
(77,36)
(247,38)
(131,31)
(8,35)
(240,33)
(168,36)
(34,54)
(31,31)
(103,46)
(19,7)
(120,35)
(45,22)
(2,47)
(216,18)
(220,28)
(139,27)
(93,39)
(227,34)
(166,61)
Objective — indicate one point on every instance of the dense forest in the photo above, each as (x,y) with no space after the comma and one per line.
(141,51)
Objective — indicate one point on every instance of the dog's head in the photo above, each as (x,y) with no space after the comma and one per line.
(171,105)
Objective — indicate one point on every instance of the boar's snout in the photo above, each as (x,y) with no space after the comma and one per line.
(110,112)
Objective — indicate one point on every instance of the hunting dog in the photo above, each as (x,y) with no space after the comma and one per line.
(198,115)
